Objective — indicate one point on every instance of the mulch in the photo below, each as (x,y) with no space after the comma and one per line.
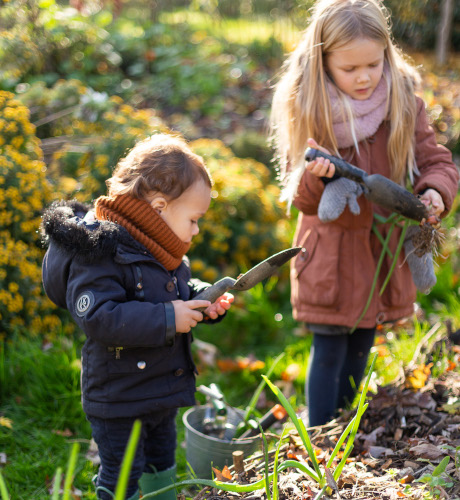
(406,431)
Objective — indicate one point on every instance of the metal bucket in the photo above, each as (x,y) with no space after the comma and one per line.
(204,452)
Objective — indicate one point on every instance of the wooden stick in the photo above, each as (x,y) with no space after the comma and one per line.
(238,461)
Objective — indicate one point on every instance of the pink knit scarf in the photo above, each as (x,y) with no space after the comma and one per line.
(367,114)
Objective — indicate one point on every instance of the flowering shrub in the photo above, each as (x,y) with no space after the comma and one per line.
(24,190)
(86,134)
(87,141)
(245,224)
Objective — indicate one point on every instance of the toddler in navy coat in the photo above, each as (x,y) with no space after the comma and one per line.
(121,270)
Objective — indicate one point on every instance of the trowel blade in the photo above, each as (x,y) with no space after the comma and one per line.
(264,269)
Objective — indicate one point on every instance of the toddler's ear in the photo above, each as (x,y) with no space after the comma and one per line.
(159,203)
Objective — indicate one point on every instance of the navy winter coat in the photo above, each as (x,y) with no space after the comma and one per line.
(120,296)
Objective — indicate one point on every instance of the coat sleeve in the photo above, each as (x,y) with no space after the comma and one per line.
(309,194)
(97,300)
(434,161)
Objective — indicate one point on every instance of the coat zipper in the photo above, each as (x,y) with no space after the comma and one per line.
(117,351)
(175,285)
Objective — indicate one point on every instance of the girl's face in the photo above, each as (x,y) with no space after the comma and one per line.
(183,213)
(356,68)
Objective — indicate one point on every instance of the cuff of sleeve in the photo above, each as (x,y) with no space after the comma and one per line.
(170,324)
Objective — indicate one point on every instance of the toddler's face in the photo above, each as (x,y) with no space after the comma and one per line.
(183,213)
(356,68)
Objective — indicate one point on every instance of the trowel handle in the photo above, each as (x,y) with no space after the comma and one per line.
(342,168)
(215,291)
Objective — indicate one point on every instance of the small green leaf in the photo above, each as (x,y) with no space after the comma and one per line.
(441,467)
(3,490)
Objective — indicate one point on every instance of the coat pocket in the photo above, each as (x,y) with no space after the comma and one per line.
(316,268)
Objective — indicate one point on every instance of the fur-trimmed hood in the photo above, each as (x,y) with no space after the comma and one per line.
(66,224)
(71,234)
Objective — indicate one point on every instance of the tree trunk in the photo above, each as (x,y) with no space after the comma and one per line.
(444,29)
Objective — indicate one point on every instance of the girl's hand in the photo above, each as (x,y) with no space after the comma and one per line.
(320,166)
(220,306)
(433,201)
(185,315)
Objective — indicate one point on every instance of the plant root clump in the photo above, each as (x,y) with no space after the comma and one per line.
(428,239)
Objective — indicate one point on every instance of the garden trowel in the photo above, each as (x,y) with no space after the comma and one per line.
(377,188)
(249,279)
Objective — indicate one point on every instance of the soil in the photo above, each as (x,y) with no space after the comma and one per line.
(409,427)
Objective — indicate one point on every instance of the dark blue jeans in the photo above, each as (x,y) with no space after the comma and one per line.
(334,360)
(157,447)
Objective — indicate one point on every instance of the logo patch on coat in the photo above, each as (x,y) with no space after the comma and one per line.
(84,302)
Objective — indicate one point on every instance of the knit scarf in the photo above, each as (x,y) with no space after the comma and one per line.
(145,225)
(367,114)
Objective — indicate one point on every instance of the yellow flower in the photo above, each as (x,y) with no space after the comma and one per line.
(197,265)
(210,275)
(6,422)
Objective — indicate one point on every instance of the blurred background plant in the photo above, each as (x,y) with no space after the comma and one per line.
(80,83)
(24,192)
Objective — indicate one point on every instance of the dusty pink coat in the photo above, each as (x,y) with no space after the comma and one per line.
(331,278)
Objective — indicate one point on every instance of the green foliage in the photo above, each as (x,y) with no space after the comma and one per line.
(88,133)
(252,144)
(267,53)
(438,479)
(245,223)
(40,395)
(349,432)
(43,37)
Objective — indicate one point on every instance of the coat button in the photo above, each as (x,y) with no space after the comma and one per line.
(141,365)
(170,286)
(178,372)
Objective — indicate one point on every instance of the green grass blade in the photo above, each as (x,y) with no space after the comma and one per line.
(395,258)
(374,281)
(57,484)
(123,478)
(344,436)
(234,487)
(275,467)
(266,478)
(70,471)
(255,397)
(300,426)
(339,468)
(321,493)
(381,238)
(356,420)
(3,490)
(301,466)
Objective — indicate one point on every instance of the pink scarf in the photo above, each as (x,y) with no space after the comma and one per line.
(368,114)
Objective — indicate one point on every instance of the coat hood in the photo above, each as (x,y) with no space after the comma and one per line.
(70,233)
(66,224)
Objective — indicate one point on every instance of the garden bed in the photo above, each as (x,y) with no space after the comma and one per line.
(403,435)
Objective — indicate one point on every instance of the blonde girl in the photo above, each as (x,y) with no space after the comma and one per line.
(349,91)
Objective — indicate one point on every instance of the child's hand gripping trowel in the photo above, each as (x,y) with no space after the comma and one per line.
(377,188)
(249,279)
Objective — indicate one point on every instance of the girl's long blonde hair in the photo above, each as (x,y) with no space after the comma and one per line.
(301,106)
